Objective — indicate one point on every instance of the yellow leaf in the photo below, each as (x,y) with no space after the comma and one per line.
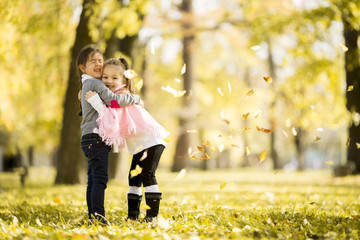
(221,147)
(222,186)
(174,92)
(357,145)
(248,150)
(206,157)
(348,142)
(257,113)
(183,70)
(181,174)
(245,116)
(220,92)
(144,155)
(249,93)
(262,156)
(294,132)
(329,162)
(265,130)
(212,149)
(317,138)
(139,85)
(201,149)
(344,48)
(167,140)
(56,200)
(193,157)
(350,88)
(235,146)
(136,171)
(207,143)
(268,79)
(145,206)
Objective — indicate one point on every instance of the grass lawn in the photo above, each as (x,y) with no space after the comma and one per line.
(241,204)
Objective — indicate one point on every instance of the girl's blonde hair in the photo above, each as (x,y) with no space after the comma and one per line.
(124,65)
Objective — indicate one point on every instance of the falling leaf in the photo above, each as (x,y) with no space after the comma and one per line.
(183,70)
(145,154)
(56,200)
(174,92)
(145,206)
(220,136)
(344,48)
(189,150)
(233,145)
(167,140)
(38,222)
(350,88)
(222,186)
(348,142)
(136,171)
(248,150)
(262,156)
(181,174)
(216,197)
(284,133)
(320,129)
(357,145)
(221,147)
(222,114)
(139,84)
(329,162)
(268,79)
(191,131)
(212,149)
(265,130)
(201,149)
(294,132)
(229,86)
(317,138)
(243,129)
(177,80)
(220,92)
(312,107)
(207,143)
(193,157)
(205,157)
(245,116)
(251,92)
(152,47)
(226,121)
(288,123)
(130,73)
(257,113)
(255,48)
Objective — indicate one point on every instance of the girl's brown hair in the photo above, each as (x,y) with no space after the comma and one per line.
(83,56)
(124,65)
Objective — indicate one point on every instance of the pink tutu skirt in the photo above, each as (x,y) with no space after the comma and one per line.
(117,123)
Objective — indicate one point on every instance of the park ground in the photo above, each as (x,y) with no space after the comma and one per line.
(221,204)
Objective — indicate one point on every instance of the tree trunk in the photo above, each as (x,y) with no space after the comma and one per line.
(352,68)
(299,144)
(273,151)
(186,120)
(70,156)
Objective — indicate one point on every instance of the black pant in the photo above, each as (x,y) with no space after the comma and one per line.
(148,165)
(97,153)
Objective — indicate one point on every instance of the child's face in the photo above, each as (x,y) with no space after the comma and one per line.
(94,65)
(112,76)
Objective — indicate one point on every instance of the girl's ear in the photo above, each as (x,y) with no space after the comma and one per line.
(82,68)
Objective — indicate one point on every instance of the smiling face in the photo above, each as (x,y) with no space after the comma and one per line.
(112,76)
(93,66)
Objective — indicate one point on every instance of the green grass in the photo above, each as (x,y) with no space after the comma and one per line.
(251,205)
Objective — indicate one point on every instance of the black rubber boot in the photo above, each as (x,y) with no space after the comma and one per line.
(134,201)
(153,201)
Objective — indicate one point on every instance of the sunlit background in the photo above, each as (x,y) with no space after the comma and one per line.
(265,85)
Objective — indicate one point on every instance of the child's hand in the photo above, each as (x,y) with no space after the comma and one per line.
(89,94)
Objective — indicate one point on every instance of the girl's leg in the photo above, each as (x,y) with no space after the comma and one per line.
(152,194)
(135,193)
(88,189)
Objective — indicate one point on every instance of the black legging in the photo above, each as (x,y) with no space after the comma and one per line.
(148,165)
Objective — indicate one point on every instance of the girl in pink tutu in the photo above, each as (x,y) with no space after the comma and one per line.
(134,127)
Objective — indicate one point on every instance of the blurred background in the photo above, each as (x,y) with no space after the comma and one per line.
(268,84)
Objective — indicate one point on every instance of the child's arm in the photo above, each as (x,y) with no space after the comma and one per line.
(107,95)
(95,101)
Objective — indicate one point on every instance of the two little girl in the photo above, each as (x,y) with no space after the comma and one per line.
(122,122)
